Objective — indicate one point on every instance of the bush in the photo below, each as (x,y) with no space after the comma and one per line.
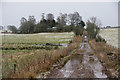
(92,29)
(60,28)
(56,47)
(48,47)
(69,28)
(100,39)
(78,31)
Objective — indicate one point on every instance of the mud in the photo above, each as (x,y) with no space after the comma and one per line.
(81,65)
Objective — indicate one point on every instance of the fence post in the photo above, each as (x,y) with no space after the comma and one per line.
(15,65)
(44,57)
(11,57)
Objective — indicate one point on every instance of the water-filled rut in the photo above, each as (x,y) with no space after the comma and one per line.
(81,65)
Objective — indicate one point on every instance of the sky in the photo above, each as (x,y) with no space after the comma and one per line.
(12,12)
(119,13)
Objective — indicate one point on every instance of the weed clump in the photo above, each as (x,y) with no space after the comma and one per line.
(107,56)
(100,39)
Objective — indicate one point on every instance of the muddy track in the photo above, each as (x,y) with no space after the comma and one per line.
(81,65)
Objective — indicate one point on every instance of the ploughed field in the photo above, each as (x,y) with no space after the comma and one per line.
(110,35)
(22,51)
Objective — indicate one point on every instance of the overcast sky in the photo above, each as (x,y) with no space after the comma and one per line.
(107,12)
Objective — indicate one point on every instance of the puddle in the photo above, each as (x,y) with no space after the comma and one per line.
(94,63)
(61,45)
(82,65)
(88,63)
(97,68)
(71,65)
(82,46)
(64,45)
(67,69)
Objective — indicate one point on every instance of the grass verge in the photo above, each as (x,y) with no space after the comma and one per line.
(108,56)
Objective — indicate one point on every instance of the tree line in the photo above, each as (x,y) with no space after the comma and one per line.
(63,23)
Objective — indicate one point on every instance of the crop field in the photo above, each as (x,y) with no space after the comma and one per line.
(111,36)
(25,43)
(22,41)
(37,38)
(22,50)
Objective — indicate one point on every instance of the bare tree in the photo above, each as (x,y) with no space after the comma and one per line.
(43,16)
(58,19)
(23,20)
(1,27)
(27,26)
(70,19)
(98,23)
(62,19)
(50,16)
(95,21)
(74,19)
(32,19)
(12,28)
(77,18)
(93,25)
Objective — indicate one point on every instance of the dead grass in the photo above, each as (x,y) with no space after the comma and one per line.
(29,66)
(102,50)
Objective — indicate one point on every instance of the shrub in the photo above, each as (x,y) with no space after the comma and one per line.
(78,30)
(56,47)
(100,39)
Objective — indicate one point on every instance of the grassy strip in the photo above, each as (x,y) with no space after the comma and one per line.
(108,56)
